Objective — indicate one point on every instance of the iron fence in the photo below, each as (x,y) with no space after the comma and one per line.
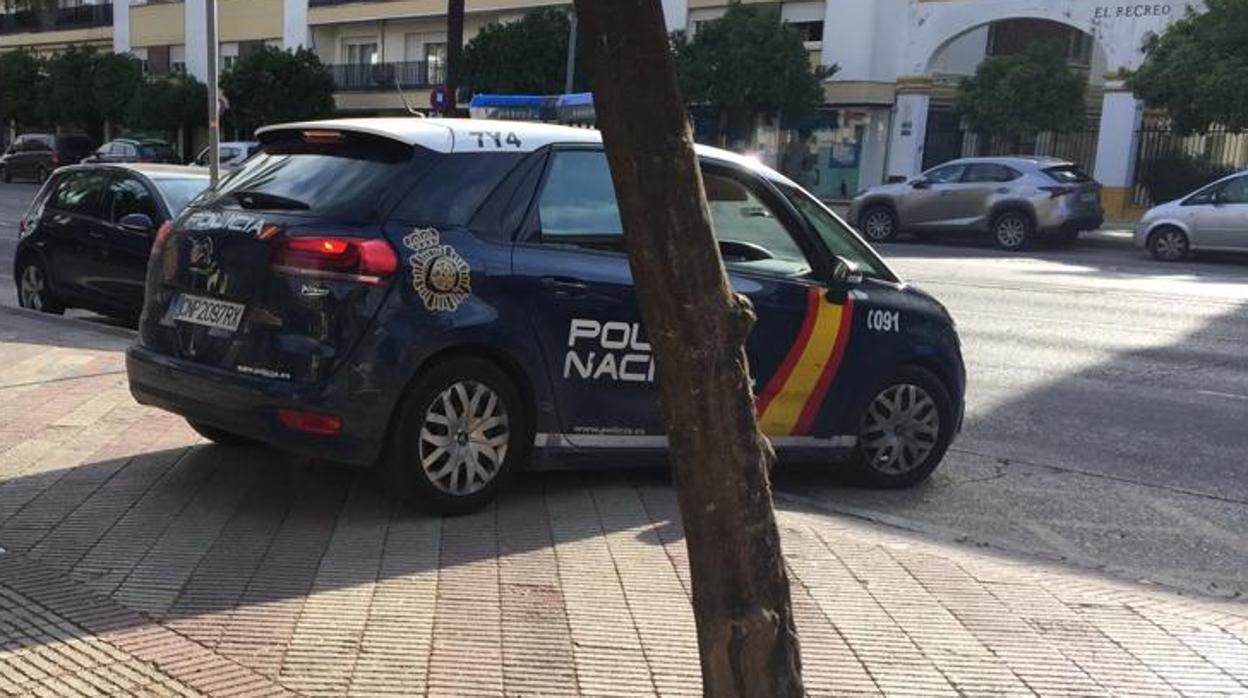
(80,17)
(382,76)
(1169,165)
(1078,147)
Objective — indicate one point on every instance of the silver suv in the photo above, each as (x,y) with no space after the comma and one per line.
(1015,199)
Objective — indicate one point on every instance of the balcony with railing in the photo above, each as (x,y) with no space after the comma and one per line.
(60,19)
(377,77)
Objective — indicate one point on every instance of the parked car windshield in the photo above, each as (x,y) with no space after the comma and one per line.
(837,236)
(178,191)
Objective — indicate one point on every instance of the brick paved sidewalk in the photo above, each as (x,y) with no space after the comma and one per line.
(140,560)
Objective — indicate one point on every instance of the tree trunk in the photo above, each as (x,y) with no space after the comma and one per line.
(697,327)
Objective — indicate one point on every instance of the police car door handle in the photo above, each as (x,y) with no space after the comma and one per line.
(563,286)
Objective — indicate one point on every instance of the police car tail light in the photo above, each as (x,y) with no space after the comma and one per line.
(310,422)
(350,259)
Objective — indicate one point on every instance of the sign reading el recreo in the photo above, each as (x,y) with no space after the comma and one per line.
(1131,11)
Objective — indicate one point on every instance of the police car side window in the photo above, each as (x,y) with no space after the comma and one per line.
(577,204)
(748,230)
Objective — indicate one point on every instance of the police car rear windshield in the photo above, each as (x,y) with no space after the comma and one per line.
(340,176)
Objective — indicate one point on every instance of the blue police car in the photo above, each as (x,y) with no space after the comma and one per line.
(450,299)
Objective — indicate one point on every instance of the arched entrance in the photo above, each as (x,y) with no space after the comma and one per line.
(958,57)
(941,34)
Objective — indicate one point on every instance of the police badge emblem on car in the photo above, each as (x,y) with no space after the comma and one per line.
(440,276)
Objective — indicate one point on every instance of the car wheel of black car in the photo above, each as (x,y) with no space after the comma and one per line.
(904,431)
(1168,244)
(1012,230)
(34,290)
(461,434)
(878,224)
(4,175)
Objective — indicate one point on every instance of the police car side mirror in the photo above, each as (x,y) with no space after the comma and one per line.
(845,275)
(920,183)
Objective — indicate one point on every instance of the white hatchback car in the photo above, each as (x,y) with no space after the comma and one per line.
(1213,218)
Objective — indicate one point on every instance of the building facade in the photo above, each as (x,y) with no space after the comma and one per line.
(885,113)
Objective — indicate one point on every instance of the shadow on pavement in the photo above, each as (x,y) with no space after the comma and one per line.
(217,542)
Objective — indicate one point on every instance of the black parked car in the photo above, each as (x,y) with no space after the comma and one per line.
(132,150)
(85,239)
(37,155)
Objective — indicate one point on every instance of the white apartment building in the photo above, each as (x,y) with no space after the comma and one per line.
(884,113)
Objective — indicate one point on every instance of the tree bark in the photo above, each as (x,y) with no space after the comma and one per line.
(697,327)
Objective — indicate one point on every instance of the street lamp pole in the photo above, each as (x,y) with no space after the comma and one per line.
(570,68)
(214,101)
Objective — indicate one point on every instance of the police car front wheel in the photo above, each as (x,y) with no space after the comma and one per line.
(462,432)
(905,430)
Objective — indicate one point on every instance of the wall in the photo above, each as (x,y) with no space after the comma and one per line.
(157,25)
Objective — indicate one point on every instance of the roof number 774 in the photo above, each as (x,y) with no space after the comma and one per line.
(495,139)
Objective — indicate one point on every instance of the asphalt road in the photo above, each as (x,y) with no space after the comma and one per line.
(1107,421)
(13,201)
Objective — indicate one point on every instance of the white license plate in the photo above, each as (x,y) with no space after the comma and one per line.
(1089,197)
(209,312)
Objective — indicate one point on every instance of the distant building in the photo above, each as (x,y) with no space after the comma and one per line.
(886,113)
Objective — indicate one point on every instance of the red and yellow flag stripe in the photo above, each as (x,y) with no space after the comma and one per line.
(789,403)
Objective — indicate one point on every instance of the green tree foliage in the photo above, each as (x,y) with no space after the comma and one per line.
(1019,95)
(20,82)
(87,88)
(745,63)
(167,104)
(1197,70)
(524,57)
(273,86)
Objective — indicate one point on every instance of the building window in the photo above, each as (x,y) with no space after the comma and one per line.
(361,53)
(811,32)
(228,54)
(177,59)
(435,62)
(157,60)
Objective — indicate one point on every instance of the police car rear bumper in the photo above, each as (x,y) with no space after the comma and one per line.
(248,406)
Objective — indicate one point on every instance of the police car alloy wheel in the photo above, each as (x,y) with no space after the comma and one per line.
(879,224)
(905,430)
(461,434)
(33,292)
(1012,230)
(1168,244)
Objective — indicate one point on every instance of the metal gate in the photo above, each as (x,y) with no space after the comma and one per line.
(1169,165)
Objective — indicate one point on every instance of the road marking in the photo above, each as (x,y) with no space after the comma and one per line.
(1229,396)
